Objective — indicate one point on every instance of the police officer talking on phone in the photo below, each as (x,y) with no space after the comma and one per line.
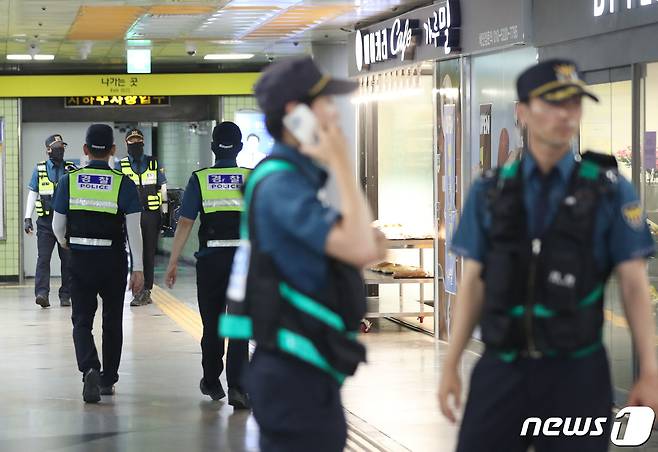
(303,297)
(216,194)
(95,208)
(540,237)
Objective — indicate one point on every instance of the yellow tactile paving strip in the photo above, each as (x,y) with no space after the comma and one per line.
(186,317)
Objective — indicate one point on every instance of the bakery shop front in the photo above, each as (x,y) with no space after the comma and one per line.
(416,126)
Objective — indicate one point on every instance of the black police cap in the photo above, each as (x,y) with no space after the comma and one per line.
(134,135)
(226,136)
(296,79)
(54,139)
(553,81)
(100,137)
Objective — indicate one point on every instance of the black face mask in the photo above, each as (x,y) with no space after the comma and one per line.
(136,150)
(57,155)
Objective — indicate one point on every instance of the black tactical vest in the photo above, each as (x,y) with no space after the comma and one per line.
(544,296)
(319,329)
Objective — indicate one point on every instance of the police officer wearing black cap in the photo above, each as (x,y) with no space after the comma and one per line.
(296,285)
(42,186)
(216,194)
(151,183)
(540,237)
(95,207)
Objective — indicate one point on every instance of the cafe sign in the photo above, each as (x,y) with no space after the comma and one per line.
(401,40)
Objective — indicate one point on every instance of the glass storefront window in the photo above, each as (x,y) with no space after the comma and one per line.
(606,128)
(649,170)
(493,107)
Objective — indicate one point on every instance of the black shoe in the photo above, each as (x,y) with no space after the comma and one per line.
(238,400)
(65,301)
(91,391)
(42,300)
(216,393)
(107,390)
(139,299)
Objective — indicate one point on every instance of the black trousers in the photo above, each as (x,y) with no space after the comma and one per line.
(502,395)
(46,243)
(212,275)
(298,408)
(104,273)
(151,223)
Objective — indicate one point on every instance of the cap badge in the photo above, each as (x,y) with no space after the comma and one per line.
(566,73)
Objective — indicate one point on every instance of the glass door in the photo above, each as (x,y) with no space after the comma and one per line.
(607,128)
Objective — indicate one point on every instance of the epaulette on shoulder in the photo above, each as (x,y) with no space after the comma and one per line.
(604,161)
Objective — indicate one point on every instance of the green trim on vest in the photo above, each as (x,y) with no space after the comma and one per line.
(311,307)
(234,326)
(592,298)
(508,357)
(589,170)
(541,311)
(517,311)
(93,199)
(259,173)
(586,351)
(221,199)
(302,348)
(510,170)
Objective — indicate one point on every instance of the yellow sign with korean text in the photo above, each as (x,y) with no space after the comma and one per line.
(228,84)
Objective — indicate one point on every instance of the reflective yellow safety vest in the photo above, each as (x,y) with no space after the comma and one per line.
(221,188)
(221,200)
(94,218)
(46,189)
(147,182)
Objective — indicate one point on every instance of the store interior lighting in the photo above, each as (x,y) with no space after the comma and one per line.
(386,95)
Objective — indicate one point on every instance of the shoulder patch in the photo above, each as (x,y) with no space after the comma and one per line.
(632,213)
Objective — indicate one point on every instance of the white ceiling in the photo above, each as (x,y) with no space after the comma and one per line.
(82,32)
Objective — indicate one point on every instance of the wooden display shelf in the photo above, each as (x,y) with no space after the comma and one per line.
(371,277)
(401,244)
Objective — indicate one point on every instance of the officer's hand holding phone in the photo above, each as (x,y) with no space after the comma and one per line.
(321,142)
(136,282)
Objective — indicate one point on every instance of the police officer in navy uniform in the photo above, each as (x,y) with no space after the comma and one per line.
(296,286)
(540,238)
(215,194)
(151,183)
(95,208)
(42,186)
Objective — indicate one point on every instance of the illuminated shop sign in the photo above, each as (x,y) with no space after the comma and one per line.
(400,40)
(116,101)
(602,7)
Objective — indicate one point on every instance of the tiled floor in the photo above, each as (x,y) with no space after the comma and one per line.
(158,406)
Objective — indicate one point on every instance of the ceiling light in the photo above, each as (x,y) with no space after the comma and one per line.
(228,56)
(44,57)
(139,61)
(19,57)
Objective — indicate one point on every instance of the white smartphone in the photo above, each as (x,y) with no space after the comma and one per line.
(302,124)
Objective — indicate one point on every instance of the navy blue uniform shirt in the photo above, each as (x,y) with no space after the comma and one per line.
(128,197)
(54,174)
(140,166)
(618,234)
(192,203)
(292,224)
